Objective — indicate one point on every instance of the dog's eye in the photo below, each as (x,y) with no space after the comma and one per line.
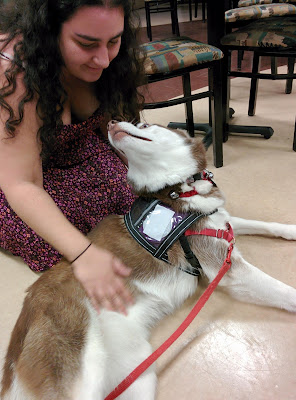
(143,126)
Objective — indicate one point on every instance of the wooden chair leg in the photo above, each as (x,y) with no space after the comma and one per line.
(240,57)
(148,21)
(289,82)
(188,105)
(274,65)
(225,79)
(203,11)
(190,9)
(195,8)
(254,85)
(294,140)
(174,17)
(216,114)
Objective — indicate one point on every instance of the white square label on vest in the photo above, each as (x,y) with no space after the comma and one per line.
(158,223)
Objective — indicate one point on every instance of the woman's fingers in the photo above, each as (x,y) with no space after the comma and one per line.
(102,276)
(113,298)
(120,269)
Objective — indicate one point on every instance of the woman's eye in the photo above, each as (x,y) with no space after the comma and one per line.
(86,45)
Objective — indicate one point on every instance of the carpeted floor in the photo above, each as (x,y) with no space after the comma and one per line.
(232,350)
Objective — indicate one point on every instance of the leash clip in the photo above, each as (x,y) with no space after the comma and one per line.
(208,174)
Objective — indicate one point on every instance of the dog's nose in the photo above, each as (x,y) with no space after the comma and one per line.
(111,124)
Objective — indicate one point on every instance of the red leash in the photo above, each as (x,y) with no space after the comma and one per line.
(193,313)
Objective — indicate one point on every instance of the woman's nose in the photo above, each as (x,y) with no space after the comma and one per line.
(101,58)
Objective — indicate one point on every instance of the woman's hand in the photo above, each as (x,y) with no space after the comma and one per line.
(102,277)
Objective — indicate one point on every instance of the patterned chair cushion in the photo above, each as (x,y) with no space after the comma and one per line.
(247,3)
(163,56)
(271,32)
(258,12)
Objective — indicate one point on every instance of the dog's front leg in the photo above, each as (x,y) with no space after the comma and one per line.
(249,284)
(143,388)
(252,227)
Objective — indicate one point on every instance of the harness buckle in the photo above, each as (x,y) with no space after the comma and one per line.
(174,195)
(219,233)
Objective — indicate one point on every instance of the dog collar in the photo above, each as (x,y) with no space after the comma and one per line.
(204,175)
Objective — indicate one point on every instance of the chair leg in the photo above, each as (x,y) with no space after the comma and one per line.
(174,17)
(195,8)
(176,21)
(289,82)
(190,9)
(148,21)
(217,117)
(294,140)
(254,85)
(274,65)
(240,57)
(203,11)
(188,105)
(226,66)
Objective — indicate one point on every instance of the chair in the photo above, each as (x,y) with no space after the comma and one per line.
(156,6)
(272,36)
(178,57)
(248,3)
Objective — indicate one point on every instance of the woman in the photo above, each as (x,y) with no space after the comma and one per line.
(66,68)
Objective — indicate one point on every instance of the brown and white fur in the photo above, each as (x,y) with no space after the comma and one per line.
(61,349)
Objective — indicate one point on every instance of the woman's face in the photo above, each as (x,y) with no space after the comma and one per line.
(90,40)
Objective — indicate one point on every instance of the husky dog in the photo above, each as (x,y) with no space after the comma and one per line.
(62,349)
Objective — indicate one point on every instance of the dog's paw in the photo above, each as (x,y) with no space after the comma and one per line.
(286,231)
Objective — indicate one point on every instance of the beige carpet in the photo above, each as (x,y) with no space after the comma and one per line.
(232,350)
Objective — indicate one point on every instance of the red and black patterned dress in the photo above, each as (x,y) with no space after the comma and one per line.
(87,181)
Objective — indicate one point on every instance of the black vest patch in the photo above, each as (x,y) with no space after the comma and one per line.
(137,221)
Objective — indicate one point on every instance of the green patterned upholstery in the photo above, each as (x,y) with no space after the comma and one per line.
(247,3)
(173,54)
(258,12)
(271,32)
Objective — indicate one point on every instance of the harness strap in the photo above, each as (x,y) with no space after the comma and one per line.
(190,257)
(219,233)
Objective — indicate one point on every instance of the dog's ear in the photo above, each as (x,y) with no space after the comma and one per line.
(198,148)
(199,153)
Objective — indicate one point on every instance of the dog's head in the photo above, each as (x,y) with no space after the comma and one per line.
(157,156)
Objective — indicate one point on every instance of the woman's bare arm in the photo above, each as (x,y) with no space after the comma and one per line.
(21,181)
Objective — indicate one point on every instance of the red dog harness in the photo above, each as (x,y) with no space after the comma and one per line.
(219,233)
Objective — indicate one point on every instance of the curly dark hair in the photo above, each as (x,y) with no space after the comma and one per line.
(38,24)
